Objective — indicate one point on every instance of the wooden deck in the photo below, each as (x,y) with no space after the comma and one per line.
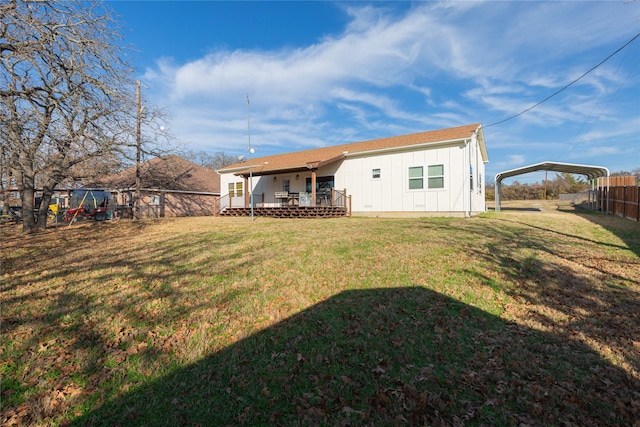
(288,212)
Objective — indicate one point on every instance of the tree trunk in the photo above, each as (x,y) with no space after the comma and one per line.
(28,218)
(25,181)
(43,211)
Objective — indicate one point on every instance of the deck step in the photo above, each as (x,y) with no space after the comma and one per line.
(288,212)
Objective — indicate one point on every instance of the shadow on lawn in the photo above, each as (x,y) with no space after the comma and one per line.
(383,357)
(577,287)
(118,285)
(626,229)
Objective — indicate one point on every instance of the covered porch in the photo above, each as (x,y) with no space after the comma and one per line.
(284,193)
(283,204)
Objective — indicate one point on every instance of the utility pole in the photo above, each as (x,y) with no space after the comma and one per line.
(136,201)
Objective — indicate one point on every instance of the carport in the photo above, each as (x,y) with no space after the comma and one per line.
(591,172)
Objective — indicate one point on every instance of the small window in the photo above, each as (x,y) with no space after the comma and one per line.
(286,185)
(232,187)
(436,176)
(375,173)
(238,189)
(416,178)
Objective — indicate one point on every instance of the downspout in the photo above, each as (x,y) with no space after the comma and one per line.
(470,186)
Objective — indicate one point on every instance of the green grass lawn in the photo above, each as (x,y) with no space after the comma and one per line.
(510,318)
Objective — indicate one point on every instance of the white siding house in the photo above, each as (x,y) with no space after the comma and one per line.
(429,173)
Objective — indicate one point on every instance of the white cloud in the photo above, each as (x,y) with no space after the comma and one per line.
(434,65)
(515,160)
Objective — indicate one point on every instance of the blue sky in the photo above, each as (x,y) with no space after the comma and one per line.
(326,73)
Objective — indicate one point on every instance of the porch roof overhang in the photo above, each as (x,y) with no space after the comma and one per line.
(259,171)
(265,170)
(591,172)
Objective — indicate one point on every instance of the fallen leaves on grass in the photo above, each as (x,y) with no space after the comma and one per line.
(245,321)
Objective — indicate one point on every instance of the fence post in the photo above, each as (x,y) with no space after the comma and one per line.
(599,197)
(624,201)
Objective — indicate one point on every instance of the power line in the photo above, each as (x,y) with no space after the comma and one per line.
(576,139)
(567,86)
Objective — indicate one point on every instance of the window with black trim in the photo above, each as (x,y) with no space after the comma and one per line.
(323,184)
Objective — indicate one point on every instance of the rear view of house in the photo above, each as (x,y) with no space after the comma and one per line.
(437,173)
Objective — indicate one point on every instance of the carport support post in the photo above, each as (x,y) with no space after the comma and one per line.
(497,196)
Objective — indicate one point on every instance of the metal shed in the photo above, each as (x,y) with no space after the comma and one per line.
(591,172)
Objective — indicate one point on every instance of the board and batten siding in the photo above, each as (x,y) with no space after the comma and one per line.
(390,193)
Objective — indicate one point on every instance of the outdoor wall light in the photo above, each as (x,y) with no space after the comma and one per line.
(275,177)
(297,176)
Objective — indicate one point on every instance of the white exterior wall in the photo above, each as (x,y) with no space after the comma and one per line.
(478,204)
(390,195)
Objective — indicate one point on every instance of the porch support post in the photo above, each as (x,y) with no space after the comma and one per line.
(246,191)
(313,187)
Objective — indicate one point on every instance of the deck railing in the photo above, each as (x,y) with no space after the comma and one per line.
(338,198)
(220,204)
(226,201)
(342,200)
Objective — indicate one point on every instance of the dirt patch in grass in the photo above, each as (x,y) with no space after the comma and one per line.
(519,317)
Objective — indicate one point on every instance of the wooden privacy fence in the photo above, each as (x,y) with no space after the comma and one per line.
(619,195)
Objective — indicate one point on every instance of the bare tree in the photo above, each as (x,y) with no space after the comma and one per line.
(65,94)
(212,161)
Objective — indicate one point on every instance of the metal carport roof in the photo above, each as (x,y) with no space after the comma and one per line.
(591,172)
